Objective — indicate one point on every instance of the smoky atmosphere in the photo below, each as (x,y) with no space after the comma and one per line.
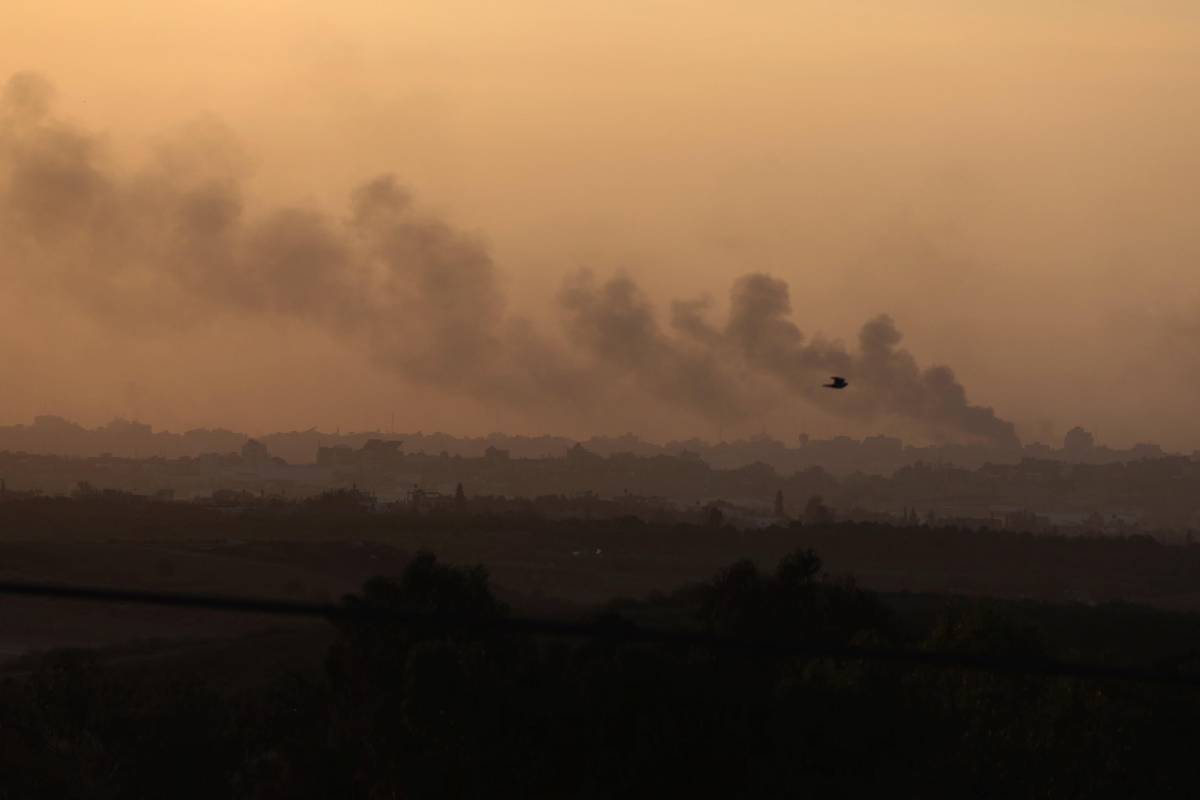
(544,399)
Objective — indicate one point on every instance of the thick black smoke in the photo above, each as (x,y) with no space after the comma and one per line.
(174,244)
(706,360)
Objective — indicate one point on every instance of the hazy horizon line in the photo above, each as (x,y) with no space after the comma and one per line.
(628,435)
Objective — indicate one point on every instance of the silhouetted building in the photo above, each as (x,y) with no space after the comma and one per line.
(255,452)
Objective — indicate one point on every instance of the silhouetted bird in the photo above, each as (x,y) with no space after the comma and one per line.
(836,383)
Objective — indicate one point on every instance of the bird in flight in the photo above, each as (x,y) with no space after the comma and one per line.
(836,382)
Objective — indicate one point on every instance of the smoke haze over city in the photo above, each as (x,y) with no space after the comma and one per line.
(270,220)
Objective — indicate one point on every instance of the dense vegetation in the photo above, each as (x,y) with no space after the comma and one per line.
(442,710)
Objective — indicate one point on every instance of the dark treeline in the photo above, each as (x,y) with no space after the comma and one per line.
(587,560)
(440,710)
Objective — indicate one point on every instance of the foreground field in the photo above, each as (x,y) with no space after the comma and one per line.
(541,567)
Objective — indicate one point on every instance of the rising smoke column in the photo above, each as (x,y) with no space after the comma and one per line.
(759,337)
(886,378)
(173,244)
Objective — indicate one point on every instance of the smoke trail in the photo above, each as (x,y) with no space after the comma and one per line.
(174,244)
(616,323)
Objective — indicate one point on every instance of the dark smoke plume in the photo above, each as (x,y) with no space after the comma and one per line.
(174,244)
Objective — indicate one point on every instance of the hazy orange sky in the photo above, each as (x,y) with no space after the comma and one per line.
(1016,183)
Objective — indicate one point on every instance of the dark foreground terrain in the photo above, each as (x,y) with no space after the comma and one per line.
(117,700)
